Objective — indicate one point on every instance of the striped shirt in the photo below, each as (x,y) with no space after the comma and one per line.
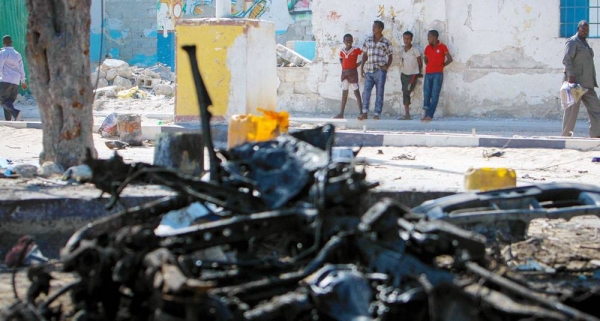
(377,53)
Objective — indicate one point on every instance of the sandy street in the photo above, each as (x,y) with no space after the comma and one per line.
(432,169)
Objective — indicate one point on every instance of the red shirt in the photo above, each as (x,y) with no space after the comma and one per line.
(435,58)
(350,57)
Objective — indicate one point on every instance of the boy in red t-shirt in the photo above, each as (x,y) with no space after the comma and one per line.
(436,57)
(349,59)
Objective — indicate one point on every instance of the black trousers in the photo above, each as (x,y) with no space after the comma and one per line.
(8,95)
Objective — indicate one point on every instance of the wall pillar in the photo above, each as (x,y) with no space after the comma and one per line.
(237,61)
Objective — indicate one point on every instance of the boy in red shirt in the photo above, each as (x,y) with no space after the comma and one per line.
(349,59)
(436,58)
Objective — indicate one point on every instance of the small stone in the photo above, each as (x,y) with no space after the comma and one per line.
(113,64)
(151,74)
(108,92)
(164,89)
(81,173)
(95,76)
(111,74)
(49,169)
(122,82)
(125,72)
(102,83)
(25,170)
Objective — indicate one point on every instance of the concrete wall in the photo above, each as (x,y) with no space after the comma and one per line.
(292,19)
(236,58)
(129,31)
(507,55)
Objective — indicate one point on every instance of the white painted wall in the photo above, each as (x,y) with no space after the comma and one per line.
(507,54)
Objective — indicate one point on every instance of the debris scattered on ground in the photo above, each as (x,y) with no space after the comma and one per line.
(404,157)
(527,176)
(109,128)
(25,170)
(115,78)
(116,144)
(490,154)
(79,173)
(24,253)
(49,169)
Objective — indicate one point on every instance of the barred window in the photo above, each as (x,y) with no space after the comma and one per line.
(573,11)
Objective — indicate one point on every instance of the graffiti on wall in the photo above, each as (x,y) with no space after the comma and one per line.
(299,6)
(394,28)
(167,13)
(282,13)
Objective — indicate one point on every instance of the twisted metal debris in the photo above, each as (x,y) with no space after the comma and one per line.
(279,235)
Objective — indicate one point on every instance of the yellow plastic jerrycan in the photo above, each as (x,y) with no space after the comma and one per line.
(488,178)
(256,128)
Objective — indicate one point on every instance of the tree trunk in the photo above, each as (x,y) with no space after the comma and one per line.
(58,52)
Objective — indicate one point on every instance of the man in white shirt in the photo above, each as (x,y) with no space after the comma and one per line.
(412,68)
(12,74)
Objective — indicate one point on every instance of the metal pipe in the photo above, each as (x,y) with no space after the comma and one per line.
(204,102)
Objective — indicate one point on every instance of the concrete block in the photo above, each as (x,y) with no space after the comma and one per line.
(146,82)
(285,89)
(402,140)
(281,73)
(294,74)
(300,103)
(582,144)
(456,141)
(300,87)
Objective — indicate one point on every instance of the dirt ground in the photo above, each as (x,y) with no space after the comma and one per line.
(567,247)
(395,168)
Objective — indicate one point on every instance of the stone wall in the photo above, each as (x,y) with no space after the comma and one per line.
(129,30)
(294,94)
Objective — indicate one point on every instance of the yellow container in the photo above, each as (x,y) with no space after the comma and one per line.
(255,128)
(487,178)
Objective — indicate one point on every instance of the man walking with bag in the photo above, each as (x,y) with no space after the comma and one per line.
(12,74)
(579,69)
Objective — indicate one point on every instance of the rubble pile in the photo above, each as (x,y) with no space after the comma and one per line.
(115,76)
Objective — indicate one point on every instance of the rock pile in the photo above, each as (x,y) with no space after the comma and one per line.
(116,75)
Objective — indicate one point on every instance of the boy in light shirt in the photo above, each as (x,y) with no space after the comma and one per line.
(412,67)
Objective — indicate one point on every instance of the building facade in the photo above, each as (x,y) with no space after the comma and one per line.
(507,53)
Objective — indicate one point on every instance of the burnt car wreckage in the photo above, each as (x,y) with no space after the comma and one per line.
(283,238)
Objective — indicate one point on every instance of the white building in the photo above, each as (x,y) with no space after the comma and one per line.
(507,54)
